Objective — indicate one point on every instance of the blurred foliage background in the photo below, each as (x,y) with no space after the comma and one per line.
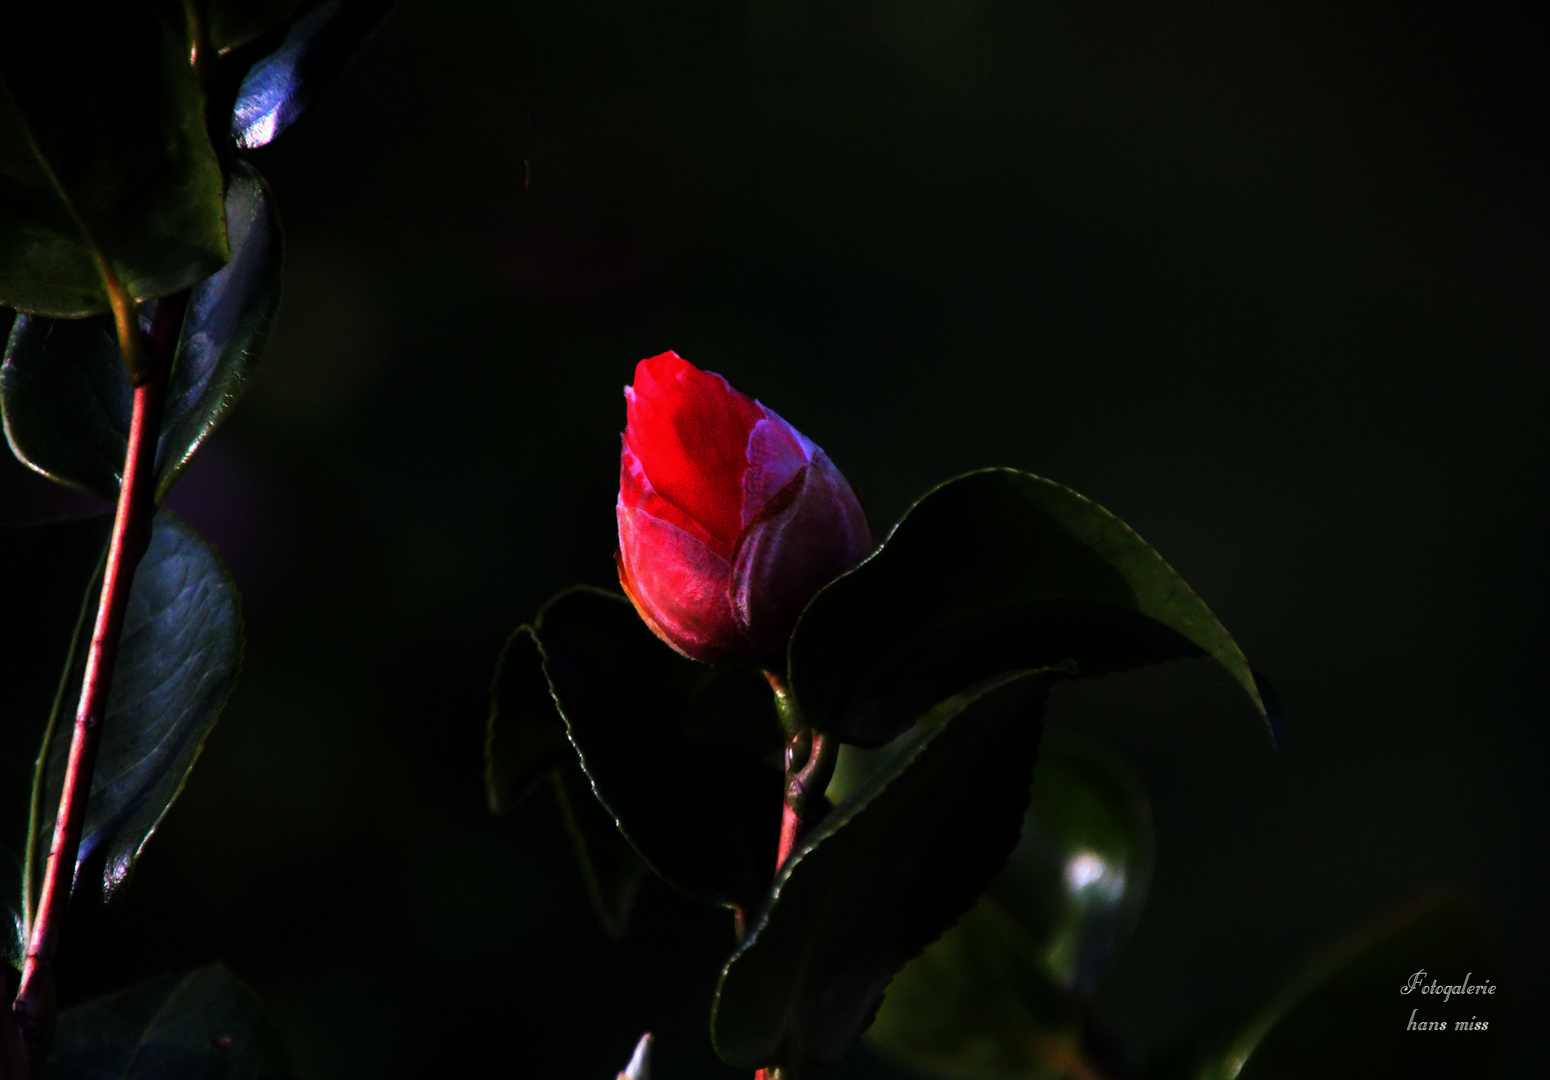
(1267,280)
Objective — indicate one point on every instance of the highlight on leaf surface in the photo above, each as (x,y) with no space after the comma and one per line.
(1003,993)
(993,571)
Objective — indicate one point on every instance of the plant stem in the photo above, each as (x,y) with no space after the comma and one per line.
(131,537)
(810,758)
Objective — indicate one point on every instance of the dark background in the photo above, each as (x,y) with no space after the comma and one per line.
(1268,280)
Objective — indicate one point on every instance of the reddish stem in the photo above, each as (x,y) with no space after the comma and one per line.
(131,537)
(810,758)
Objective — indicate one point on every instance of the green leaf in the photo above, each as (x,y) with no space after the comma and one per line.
(1001,994)
(107,173)
(1346,1015)
(48,577)
(610,868)
(680,754)
(177,658)
(885,873)
(66,398)
(316,50)
(200,1025)
(990,572)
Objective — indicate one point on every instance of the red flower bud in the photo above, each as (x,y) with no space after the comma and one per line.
(730,520)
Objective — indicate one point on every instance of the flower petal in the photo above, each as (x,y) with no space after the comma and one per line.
(679,586)
(812,531)
(776,450)
(689,430)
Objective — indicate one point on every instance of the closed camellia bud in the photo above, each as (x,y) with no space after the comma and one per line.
(730,520)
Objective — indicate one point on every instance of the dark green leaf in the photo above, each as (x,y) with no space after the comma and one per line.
(525,737)
(230,24)
(48,575)
(1000,995)
(1346,1015)
(672,748)
(105,164)
(611,869)
(177,658)
(66,398)
(201,1025)
(885,873)
(990,572)
(315,52)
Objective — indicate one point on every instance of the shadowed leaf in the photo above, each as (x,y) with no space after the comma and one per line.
(201,1025)
(48,578)
(105,164)
(674,749)
(610,868)
(885,873)
(993,571)
(1347,1014)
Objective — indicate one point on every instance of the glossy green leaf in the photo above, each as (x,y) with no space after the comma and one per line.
(611,869)
(1347,1014)
(1001,994)
(990,572)
(880,877)
(676,751)
(316,50)
(200,1025)
(105,163)
(227,324)
(177,659)
(66,398)
(48,575)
